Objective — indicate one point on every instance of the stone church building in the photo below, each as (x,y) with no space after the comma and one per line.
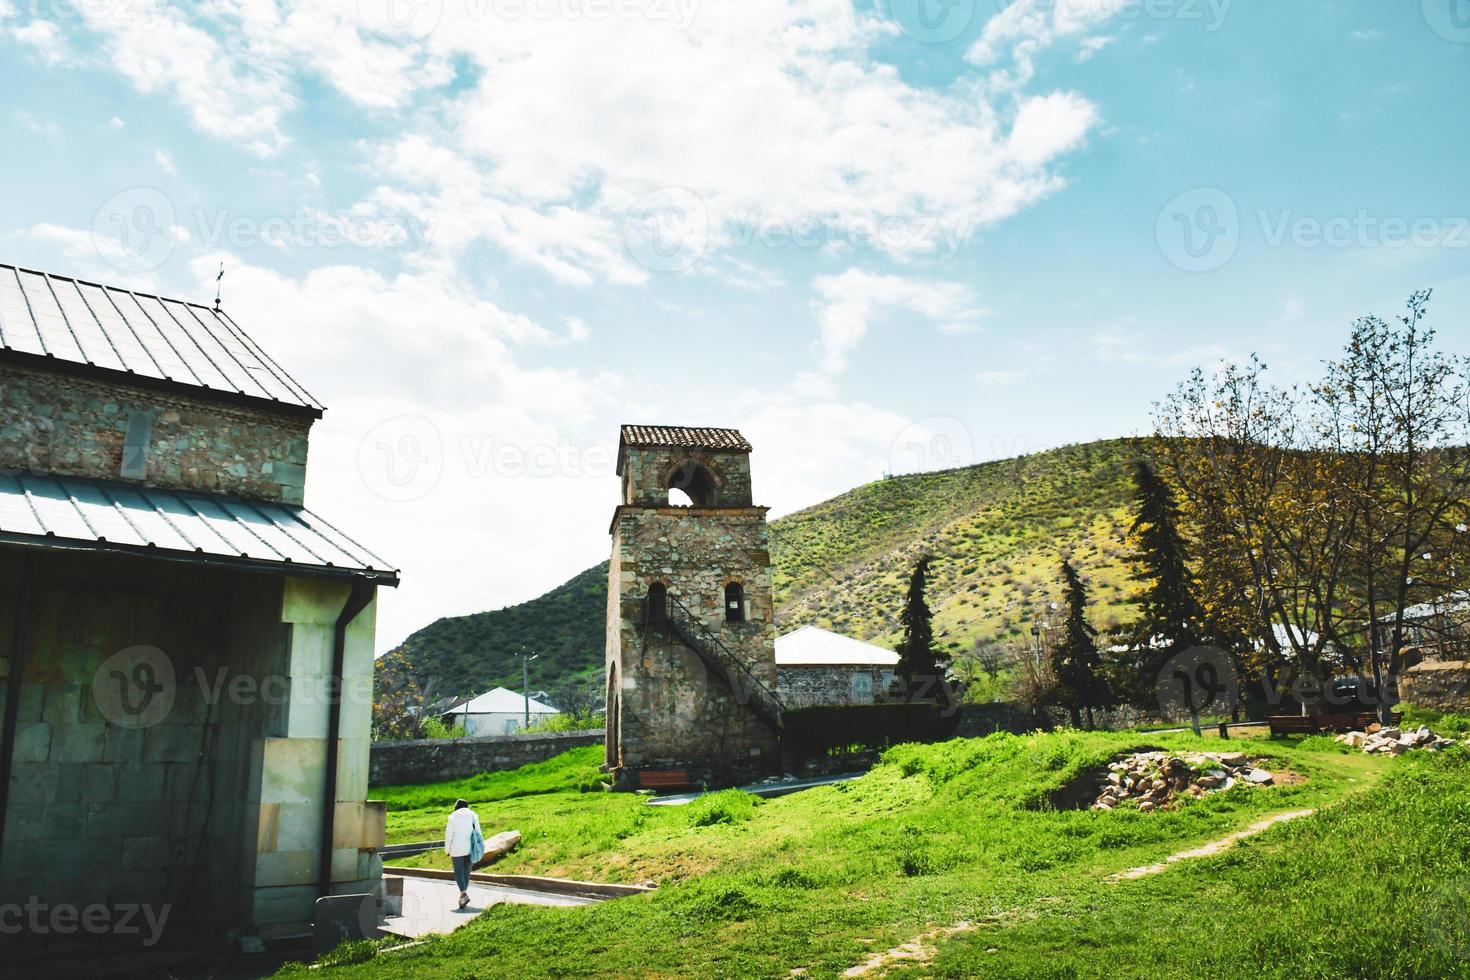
(174,625)
(691,671)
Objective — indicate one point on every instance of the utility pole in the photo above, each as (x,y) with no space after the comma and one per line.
(526,683)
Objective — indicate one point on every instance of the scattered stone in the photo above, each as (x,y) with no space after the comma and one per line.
(1155,779)
(1393,741)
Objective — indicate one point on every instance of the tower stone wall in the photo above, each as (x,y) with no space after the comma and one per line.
(668,706)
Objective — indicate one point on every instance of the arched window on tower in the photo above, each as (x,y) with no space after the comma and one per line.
(691,485)
(734,603)
(658,602)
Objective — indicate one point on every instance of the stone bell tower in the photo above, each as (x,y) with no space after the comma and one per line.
(691,633)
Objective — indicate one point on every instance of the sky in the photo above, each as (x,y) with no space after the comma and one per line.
(877,237)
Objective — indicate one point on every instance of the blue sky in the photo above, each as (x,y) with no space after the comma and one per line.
(875,236)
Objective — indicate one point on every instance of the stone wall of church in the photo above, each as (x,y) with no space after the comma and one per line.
(69,426)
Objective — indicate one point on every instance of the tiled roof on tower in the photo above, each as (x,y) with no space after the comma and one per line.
(684,437)
(148,338)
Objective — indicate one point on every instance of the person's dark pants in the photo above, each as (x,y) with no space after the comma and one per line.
(462,872)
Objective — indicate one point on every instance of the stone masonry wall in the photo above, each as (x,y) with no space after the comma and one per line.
(644,478)
(54,423)
(671,711)
(804,687)
(434,759)
(1439,685)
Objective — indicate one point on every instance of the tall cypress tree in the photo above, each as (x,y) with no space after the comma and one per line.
(1075,658)
(1170,616)
(920,668)
(1169,608)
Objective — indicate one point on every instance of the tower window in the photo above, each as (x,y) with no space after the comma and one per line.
(734,603)
(658,602)
(692,485)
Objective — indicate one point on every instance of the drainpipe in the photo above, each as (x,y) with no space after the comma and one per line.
(12,687)
(357,600)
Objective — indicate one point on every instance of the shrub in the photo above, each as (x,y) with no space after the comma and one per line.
(726,806)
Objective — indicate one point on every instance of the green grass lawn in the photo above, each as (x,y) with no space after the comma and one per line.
(959,833)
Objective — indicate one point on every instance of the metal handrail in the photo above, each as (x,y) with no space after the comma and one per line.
(729,658)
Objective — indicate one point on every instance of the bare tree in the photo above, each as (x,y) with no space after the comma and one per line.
(1397,411)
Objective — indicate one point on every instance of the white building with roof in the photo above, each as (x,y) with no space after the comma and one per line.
(499,712)
(818,667)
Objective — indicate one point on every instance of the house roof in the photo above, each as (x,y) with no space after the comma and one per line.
(56,321)
(71,513)
(1451,603)
(503,701)
(812,646)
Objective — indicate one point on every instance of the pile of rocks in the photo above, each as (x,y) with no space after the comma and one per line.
(1156,778)
(1394,741)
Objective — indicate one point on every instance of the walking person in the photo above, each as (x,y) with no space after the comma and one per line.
(465,844)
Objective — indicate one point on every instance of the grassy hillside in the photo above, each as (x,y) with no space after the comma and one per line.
(463,654)
(950,848)
(997,532)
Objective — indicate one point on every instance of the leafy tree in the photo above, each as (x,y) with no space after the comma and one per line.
(919,675)
(1076,662)
(398,703)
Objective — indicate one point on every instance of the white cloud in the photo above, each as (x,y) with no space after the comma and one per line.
(116,123)
(1025,28)
(166,162)
(846,305)
(1371,34)
(45,37)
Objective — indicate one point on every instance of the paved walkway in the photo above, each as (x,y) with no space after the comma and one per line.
(429,905)
(768,790)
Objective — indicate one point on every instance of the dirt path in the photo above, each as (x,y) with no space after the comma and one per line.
(920,949)
(1213,847)
(923,947)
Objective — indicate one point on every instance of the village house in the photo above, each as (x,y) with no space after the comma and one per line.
(498,712)
(818,667)
(174,626)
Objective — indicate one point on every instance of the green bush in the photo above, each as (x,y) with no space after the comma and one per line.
(566,723)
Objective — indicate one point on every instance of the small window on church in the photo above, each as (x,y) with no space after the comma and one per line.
(658,602)
(734,603)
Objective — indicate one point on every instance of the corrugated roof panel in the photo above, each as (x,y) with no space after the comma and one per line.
(16,513)
(154,528)
(85,327)
(51,326)
(196,361)
(132,348)
(16,322)
(53,508)
(105,520)
(113,516)
(115,329)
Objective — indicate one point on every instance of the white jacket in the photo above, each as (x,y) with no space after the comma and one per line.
(457,832)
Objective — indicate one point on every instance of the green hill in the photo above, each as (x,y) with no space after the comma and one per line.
(996,530)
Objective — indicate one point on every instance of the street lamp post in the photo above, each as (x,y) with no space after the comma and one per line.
(526,683)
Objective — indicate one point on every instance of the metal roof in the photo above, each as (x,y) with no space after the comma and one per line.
(812,646)
(138,334)
(683,437)
(101,515)
(502,701)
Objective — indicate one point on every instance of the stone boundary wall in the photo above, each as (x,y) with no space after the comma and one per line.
(1439,685)
(1000,716)
(433,760)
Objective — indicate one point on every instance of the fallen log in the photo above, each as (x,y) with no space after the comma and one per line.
(499,846)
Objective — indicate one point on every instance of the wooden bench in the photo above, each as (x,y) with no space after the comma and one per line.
(1292,725)
(1338,721)
(664,779)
